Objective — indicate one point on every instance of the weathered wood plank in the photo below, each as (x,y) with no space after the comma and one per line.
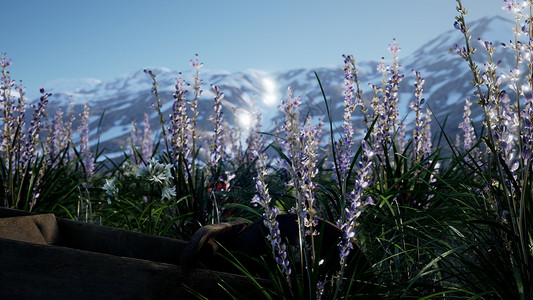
(89,261)
(34,271)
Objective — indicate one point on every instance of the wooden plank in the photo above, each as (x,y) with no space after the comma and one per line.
(34,271)
(90,261)
(98,238)
(103,239)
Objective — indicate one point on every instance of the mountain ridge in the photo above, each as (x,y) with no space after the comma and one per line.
(447,85)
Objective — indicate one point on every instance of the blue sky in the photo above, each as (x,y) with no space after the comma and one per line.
(103,39)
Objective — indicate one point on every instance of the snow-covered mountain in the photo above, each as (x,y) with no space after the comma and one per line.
(127,98)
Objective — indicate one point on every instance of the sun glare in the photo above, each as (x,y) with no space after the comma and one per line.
(244,118)
(269,94)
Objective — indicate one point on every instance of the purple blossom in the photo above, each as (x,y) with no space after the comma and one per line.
(394,48)
(344,145)
(9,123)
(291,127)
(510,5)
(310,137)
(461,51)
(194,103)
(133,140)
(85,151)
(320,286)
(489,47)
(422,123)
(17,126)
(381,66)
(527,133)
(469,132)
(263,199)
(56,135)
(180,126)
(35,127)
(147,145)
(384,105)
(217,146)
(356,203)
(459,26)
(4,63)
(60,134)
(301,147)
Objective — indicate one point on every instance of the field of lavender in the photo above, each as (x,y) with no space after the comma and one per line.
(431,216)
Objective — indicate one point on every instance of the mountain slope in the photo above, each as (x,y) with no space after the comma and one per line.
(127,98)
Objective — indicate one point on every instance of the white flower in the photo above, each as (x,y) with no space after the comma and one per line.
(110,188)
(156,172)
(168,192)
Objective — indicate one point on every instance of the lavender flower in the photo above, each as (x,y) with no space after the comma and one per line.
(310,137)
(69,122)
(527,133)
(58,137)
(217,146)
(400,136)
(7,104)
(263,199)
(422,130)
(179,124)
(510,5)
(344,145)
(293,146)
(291,126)
(194,103)
(459,26)
(35,127)
(147,145)
(348,223)
(133,140)
(320,288)
(301,147)
(85,150)
(384,103)
(469,133)
(4,63)
(158,106)
(461,51)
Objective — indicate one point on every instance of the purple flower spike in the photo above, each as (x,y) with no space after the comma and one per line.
(85,150)
(262,198)
(510,5)
(180,127)
(357,202)
(147,145)
(422,130)
(458,26)
(4,63)
(344,145)
(217,147)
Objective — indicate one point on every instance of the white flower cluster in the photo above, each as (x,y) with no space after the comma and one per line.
(159,174)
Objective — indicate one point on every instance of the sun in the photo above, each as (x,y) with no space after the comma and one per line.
(270,94)
(244,118)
